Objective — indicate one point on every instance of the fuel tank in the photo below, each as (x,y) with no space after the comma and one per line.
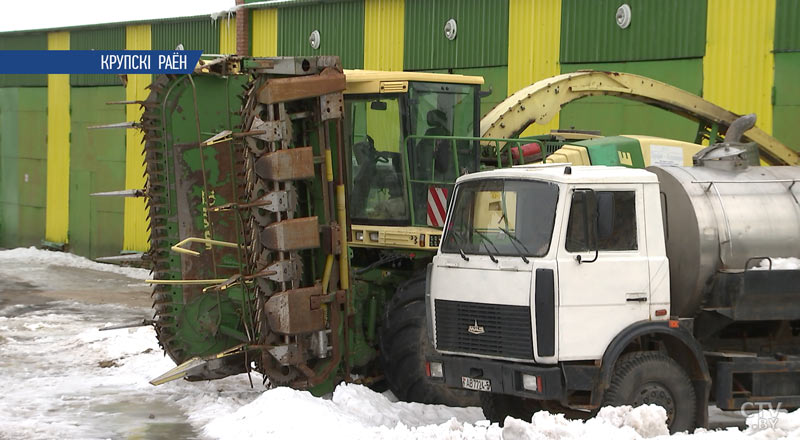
(719,218)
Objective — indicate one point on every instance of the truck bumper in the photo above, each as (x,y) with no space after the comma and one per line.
(504,377)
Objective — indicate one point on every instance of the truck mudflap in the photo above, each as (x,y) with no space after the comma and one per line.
(533,382)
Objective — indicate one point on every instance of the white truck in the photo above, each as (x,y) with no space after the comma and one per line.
(569,288)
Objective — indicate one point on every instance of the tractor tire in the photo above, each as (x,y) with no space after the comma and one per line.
(404,344)
(497,406)
(653,378)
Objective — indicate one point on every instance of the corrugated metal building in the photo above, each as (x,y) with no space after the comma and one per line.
(741,54)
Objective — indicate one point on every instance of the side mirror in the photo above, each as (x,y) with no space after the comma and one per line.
(377,105)
(590,221)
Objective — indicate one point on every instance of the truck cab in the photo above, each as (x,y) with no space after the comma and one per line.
(521,266)
(540,270)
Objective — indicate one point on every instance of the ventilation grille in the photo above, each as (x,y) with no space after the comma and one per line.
(506,329)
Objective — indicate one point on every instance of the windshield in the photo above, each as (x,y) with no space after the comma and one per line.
(507,217)
(439,109)
(377,189)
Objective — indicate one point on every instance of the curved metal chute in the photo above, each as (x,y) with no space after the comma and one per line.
(539,102)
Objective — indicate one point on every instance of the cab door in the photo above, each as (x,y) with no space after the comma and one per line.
(603,268)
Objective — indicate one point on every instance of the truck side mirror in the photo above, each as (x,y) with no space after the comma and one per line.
(590,221)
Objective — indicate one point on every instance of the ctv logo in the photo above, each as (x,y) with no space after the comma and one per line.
(767,417)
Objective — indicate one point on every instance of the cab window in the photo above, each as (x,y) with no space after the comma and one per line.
(615,225)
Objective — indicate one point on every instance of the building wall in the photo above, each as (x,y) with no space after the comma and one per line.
(740,54)
(23,165)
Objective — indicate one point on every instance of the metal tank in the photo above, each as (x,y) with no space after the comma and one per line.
(720,215)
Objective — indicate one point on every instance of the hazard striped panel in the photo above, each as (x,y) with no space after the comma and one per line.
(437,206)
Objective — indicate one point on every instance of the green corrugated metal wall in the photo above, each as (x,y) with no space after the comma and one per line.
(786,110)
(481,40)
(658,30)
(786,97)
(787,31)
(341,28)
(23,147)
(97,39)
(614,116)
(97,163)
(23,41)
(194,34)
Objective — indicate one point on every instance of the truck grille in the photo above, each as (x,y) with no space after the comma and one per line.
(506,329)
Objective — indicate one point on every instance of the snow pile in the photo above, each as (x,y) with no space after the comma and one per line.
(622,422)
(33,256)
(789,263)
(354,410)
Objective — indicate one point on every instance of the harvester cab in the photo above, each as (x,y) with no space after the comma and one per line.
(401,170)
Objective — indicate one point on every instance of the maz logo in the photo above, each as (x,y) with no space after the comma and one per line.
(476,329)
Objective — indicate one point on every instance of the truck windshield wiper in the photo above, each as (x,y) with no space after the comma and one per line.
(483,241)
(513,239)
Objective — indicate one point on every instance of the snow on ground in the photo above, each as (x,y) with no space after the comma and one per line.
(62,378)
(789,263)
(33,256)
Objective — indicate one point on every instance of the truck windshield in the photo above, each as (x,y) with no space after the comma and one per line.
(504,212)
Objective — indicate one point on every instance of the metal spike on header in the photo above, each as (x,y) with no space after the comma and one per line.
(128,124)
(122,193)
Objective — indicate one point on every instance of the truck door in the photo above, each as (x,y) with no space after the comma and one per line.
(602,268)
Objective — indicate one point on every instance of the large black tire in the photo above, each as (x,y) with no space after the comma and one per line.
(653,378)
(404,345)
(497,406)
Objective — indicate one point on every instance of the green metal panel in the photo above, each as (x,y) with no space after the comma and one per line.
(495,79)
(658,30)
(606,151)
(32,123)
(23,41)
(194,34)
(613,116)
(786,111)
(96,39)
(22,165)
(31,225)
(341,28)
(481,40)
(787,31)
(97,163)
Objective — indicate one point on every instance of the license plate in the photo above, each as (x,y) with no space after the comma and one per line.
(476,384)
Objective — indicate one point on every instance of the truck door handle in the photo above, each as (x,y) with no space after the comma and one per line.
(637,298)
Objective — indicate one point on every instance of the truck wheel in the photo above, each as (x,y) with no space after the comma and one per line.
(404,345)
(497,406)
(653,378)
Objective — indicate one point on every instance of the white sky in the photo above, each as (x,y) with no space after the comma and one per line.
(38,14)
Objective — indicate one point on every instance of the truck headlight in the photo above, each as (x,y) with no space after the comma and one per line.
(531,383)
(435,369)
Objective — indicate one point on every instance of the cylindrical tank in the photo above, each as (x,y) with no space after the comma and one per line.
(717,219)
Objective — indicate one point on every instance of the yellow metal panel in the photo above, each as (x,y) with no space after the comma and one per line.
(384,25)
(265,33)
(227,35)
(135,228)
(58,123)
(738,66)
(572,154)
(534,38)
